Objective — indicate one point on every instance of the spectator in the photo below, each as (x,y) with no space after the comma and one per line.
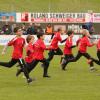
(23,27)
(1,31)
(38,29)
(49,29)
(30,29)
(13,26)
(6,29)
(89,27)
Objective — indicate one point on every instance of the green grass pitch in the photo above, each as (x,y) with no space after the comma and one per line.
(77,83)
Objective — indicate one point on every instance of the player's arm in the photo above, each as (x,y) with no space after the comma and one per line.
(63,40)
(10,43)
(78,41)
(4,49)
(73,46)
(69,45)
(89,44)
(52,37)
(43,46)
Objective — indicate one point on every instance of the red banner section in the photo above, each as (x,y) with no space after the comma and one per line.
(51,17)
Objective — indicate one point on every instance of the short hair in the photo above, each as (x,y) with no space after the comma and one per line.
(85,32)
(16,29)
(29,37)
(59,29)
(39,35)
(70,32)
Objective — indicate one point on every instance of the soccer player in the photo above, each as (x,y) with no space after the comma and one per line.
(55,50)
(18,43)
(68,50)
(35,54)
(29,54)
(83,43)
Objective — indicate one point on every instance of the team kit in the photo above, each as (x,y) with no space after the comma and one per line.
(35,52)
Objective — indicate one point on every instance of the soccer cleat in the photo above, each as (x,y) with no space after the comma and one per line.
(46,76)
(29,80)
(92,69)
(63,69)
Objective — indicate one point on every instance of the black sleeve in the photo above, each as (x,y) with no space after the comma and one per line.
(92,38)
(73,46)
(63,40)
(52,36)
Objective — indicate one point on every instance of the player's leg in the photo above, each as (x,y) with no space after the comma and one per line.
(64,62)
(32,65)
(50,55)
(70,58)
(9,64)
(29,66)
(24,68)
(46,65)
(77,57)
(74,59)
(98,55)
(86,55)
(97,61)
(59,52)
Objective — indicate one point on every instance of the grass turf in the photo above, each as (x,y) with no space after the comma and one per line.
(77,83)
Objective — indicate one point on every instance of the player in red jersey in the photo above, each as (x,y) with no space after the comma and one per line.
(29,49)
(35,54)
(55,50)
(68,50)
(18,43)
(38,55)
(82,44)
(29,54)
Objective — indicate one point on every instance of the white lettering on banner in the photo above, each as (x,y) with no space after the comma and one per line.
(51,17)
(76,28)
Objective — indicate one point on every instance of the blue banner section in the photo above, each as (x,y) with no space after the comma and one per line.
(8,16)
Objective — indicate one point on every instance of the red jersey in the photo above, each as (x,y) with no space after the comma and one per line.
(68,45)
(83,43)
(98,45)
(39,48)
(29,53)
(18,44)
(55,40)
